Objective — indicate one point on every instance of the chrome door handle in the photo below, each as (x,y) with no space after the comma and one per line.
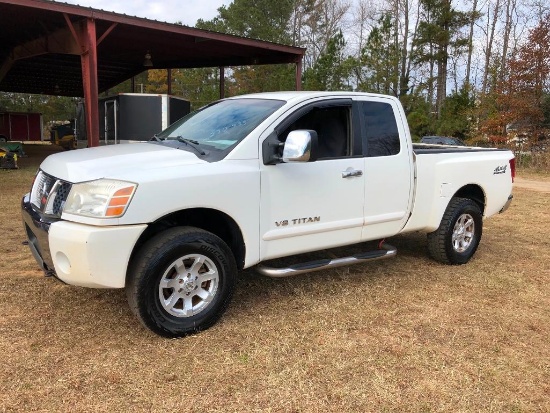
(349,173)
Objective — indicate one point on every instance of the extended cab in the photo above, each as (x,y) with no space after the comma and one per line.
(248,179)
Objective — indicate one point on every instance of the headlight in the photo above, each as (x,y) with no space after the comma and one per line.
(104,198)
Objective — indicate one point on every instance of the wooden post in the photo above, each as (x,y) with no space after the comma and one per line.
(88,60)
(299,74)
(222,82)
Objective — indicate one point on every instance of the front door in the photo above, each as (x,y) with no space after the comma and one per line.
(314,205)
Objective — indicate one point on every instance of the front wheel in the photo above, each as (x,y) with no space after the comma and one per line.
(458,236)
(181,281)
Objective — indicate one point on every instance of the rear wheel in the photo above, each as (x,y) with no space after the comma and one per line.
(458,236)
(181,282)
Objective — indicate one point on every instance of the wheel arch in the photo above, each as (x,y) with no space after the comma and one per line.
(211,220)
(475,193)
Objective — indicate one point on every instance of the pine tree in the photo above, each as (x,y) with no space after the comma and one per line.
(438,33)
(379,59)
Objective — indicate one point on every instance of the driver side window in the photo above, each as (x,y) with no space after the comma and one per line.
(333,130)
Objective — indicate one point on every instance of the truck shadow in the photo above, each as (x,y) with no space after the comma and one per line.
(253,288)
(102,310)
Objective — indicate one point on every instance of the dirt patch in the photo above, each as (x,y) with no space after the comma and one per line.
(533,185)
(403,335)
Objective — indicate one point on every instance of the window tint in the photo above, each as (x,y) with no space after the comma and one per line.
(381,131)
(332,127)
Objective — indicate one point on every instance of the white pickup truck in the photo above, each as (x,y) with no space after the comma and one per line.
(248,179)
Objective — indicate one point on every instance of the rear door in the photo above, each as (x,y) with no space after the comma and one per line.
(388,166)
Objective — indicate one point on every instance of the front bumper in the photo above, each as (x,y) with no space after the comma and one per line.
(79,254)
(36,228)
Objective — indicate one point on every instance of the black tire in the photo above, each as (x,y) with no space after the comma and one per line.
(191,301)
(458,236)
(3,139)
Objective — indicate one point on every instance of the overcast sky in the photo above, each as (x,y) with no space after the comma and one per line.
(171,11)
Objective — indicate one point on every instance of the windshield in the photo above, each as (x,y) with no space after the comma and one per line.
(221,125)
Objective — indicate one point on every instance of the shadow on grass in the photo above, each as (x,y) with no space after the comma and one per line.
(86,311)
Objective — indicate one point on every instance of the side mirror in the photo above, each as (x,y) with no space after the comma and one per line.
(301,146)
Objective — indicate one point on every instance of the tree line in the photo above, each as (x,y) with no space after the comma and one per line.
(474,69)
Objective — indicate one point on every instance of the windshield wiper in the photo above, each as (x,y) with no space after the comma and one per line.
(192,144)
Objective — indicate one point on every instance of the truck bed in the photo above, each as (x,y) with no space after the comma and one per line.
(427,149)
(438,178)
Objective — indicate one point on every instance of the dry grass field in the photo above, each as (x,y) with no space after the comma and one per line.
(403,335)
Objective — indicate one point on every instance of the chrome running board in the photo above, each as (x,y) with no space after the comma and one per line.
(385,251)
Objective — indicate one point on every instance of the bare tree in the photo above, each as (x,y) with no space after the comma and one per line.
(540,8)
(403,40)
(322,20)
(473,18)
(510,7)
(363,16)
(362,19)
(405,57)
(490,40)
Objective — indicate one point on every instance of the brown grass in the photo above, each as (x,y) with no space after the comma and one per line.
(405,335)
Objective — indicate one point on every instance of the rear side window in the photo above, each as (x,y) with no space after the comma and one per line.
(380,129)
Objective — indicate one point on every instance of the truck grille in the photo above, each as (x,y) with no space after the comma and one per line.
(49,194)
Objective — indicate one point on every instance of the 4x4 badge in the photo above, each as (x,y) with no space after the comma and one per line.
(500,170)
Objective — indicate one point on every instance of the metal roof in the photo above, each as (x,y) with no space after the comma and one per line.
(39,54)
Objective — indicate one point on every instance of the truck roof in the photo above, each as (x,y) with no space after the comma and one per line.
(304,95)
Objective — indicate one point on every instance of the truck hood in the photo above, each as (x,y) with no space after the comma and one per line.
(114,161)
